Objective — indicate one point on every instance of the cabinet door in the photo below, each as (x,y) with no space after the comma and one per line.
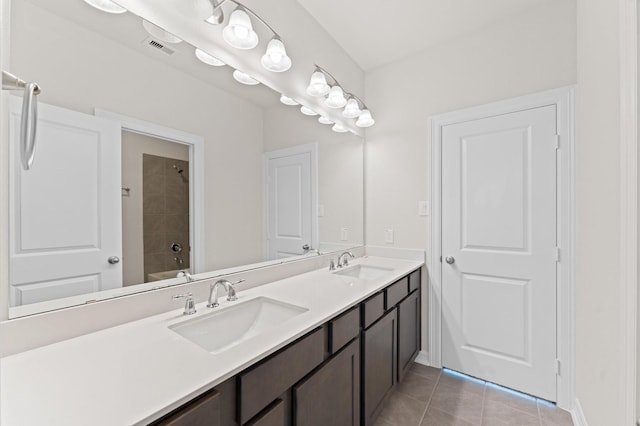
(379,364)
(331,395)
(408,332)
(203,411)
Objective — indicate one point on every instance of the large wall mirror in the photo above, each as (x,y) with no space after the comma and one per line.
(149,161)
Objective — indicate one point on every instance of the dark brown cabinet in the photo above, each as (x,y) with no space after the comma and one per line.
(379,357)
(202,411)
(408,332)
(331,394)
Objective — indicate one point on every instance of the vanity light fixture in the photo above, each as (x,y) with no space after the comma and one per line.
(106,6)
(244,78)
(339,128)
(318,84)
(365,119)
(208,59)
(275,58)
(336,98)
(324,120)
(307,111)
(287,100)
(239,31)
(160,33)
(352,109)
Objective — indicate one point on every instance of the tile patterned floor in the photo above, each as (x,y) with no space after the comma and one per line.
(431,397)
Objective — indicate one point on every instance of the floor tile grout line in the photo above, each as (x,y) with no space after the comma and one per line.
(426,408)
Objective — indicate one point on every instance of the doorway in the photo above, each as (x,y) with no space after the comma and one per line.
(489,317)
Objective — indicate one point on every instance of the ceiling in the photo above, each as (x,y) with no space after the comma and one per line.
(376,32)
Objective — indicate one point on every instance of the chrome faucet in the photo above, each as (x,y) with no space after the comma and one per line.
(342,259)
(185,274)
(213,292)
(189,304)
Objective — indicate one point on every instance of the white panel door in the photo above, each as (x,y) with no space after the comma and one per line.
(290,194)
(65,214)
(499,250)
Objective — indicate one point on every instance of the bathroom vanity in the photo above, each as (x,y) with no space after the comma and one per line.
(345,340)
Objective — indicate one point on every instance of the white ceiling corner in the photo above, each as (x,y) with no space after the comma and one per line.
(376,32)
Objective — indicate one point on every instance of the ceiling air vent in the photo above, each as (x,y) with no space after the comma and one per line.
(158,46)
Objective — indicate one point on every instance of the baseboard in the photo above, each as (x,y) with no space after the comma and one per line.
(577,415)
(422,358)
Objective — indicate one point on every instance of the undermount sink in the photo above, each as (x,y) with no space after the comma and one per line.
(364,272)
(236,323)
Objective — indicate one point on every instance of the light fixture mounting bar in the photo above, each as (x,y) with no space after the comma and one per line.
(324,71)
(348,95)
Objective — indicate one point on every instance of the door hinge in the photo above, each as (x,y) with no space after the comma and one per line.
(557,254)
(557,141)
(557,367)
(440,259)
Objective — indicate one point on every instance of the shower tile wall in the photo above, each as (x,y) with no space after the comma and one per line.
(165,206)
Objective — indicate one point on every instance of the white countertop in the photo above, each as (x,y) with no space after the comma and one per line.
(136,372)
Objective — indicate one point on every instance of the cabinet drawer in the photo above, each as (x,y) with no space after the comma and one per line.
(203,411)
(271,416)
(343,329)
(396,292)
(261,385)
(414,280)
(372,309)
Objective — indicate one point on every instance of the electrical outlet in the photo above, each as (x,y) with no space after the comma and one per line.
(344,234)
(388,236)
(423,208)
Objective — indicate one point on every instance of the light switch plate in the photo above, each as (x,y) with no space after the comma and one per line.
(388,236)
(423,208)
(320,210)
(344,234)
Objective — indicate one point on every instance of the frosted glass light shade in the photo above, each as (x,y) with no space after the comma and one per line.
(239,32)
(318,85)
(365,119)
(275,59)
(324,120)
(352,109)
(159,33)
(287,100)
(338,128)
(208,59)
(307,111)
(244,78)
(336,98)
(106,6)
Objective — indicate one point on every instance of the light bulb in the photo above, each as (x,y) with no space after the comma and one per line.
(244,78)
(287,100)
(336,98)
(351,110)
(208,59)
(339,128)
(239,32)
(318,85)
(365,119)
(275,58)
(324,120)
(307,111)
(106,6)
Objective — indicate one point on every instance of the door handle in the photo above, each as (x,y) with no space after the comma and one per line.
(450,260)
(113,260)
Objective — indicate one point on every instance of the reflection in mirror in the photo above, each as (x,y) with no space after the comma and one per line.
(272,183)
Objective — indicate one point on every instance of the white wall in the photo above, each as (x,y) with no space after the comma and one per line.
(113,77)
(528,53)
(599,345)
